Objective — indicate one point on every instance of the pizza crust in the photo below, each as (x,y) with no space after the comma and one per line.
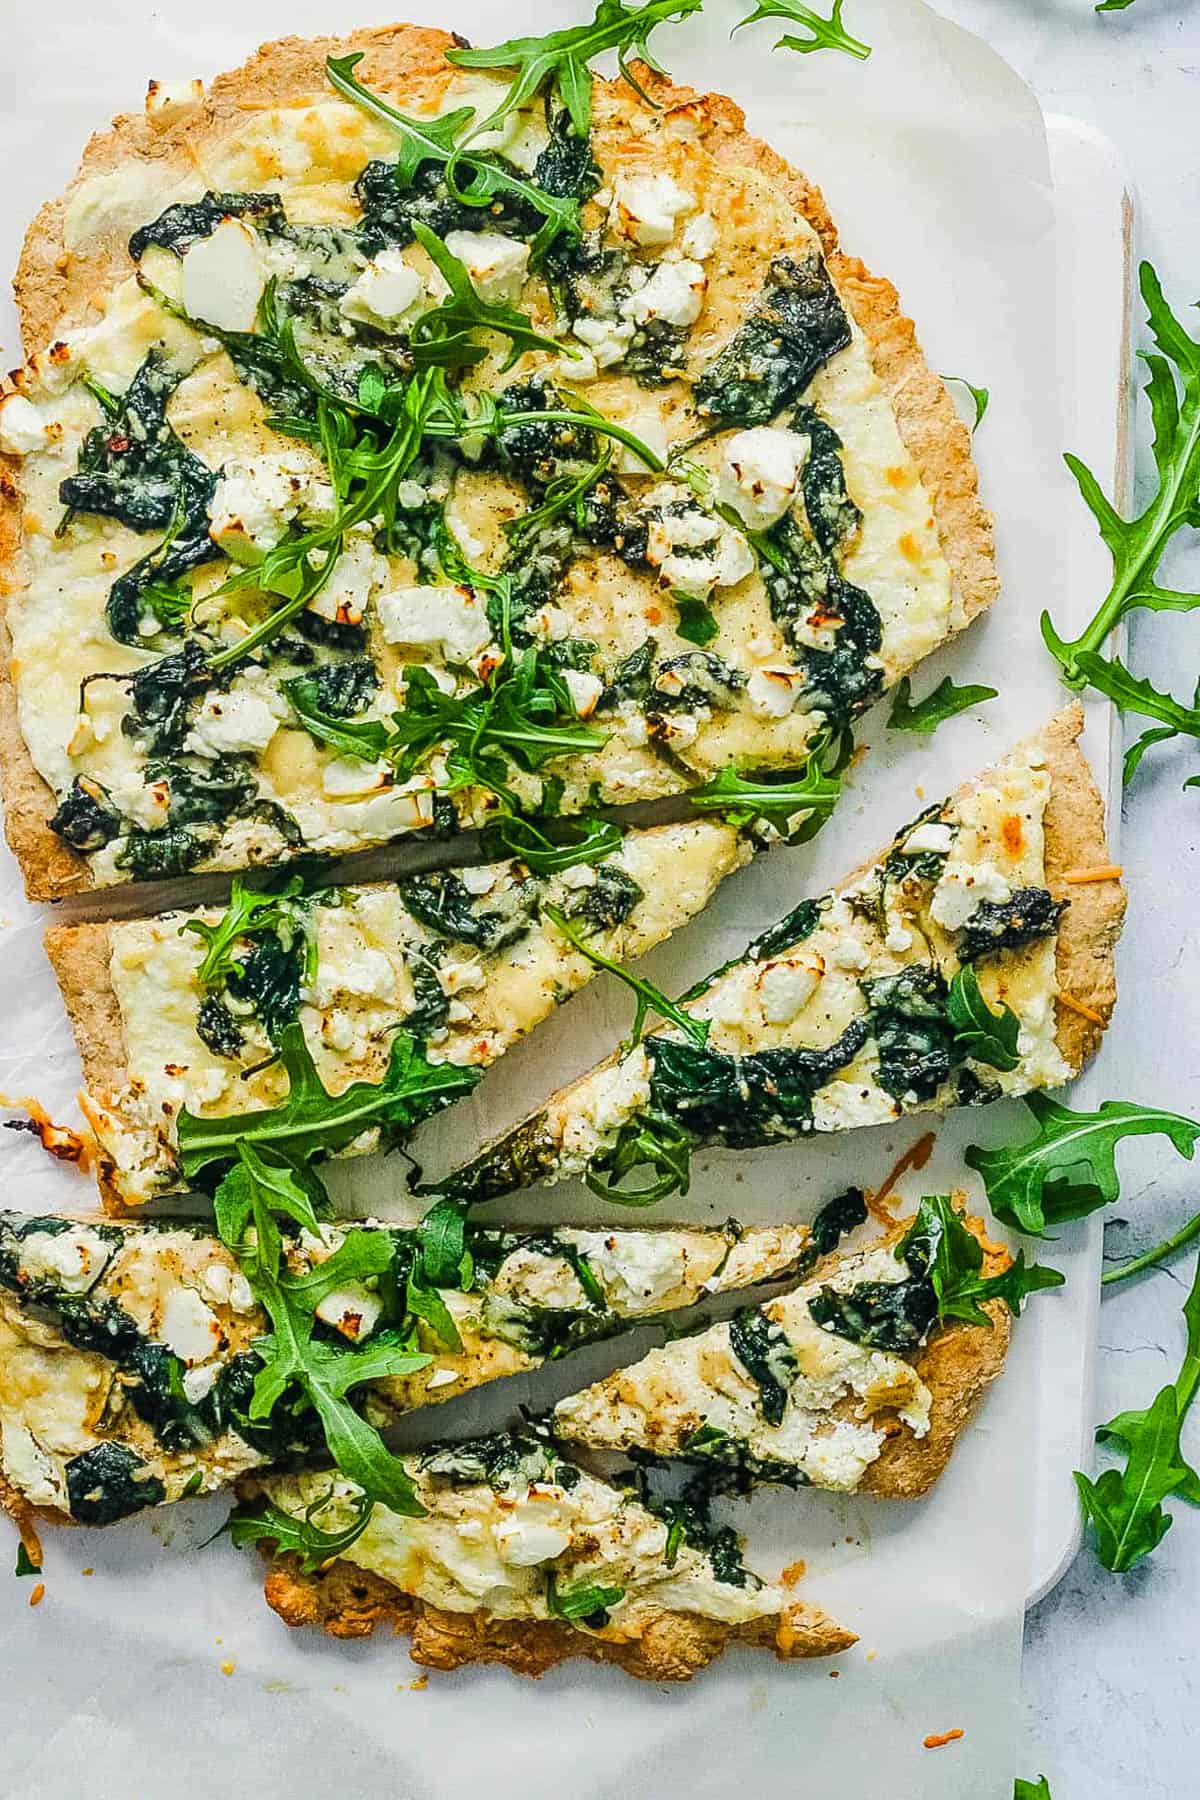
(54,285)
(348,1602)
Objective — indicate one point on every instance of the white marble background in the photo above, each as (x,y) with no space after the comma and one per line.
(1111,1678)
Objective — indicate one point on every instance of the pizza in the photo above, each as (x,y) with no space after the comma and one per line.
(344,509)
(129,1353)
(972,960)
(524,1559)
(184,1012)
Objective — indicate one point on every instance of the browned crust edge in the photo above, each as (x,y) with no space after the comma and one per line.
(51,286)
(348,1602)
(79,956)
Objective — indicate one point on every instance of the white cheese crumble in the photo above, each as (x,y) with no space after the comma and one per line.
(585,690)
(786,987)
(674,293)
(496,264)
(931,836)
(73,1260)
(606,339)
(450,619)
(224,276)
(353,1310)
(23,426)
(189,1328)
(700,237)
(358,571)
(963,887)
(386,292)
(256,499)
(240,720)
(645,207)
(772,691)
(760,471)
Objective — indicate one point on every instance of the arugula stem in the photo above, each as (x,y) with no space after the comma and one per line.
(1161,1253)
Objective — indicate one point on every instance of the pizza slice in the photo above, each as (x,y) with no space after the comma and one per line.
(521,1558)
(129,1353)
(186,1014)
(341,509)
(859,1380)
(972,960)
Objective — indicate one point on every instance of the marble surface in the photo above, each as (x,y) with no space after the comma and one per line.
(1111,1677)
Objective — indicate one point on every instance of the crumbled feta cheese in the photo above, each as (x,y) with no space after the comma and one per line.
(451,619)
(772,691)
(358,571)
(199,1382)
(480,879)
(729,561)
(849,954)
(645,207)
(674,294)
(168,102)
(385,293)
(23,429)
(227,1287)
(651,428)
(73,1260)
(760,469)
(700,237)
(898,938)
(145,803)
(240,720)
(787,986)
(360,970)
(580,875)
(607,339)
(843,1105)
(224,276)
(353,1310)
(256,499)
(189,1328)
(496,264)
(348,778)
(963,888)
(928,837)
(532,1533)
(585,690)
(636,1268)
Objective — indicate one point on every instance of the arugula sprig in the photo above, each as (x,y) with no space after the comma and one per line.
(823,33)
(943,702)
(473,179)
(310,1122)
(549,846)
(442,335)
(1040,1789)
(980,399)
(979,1032)
(1125,1506)
(557,64)
(249,911)
(1067,1169)
(797,806)
(261,1522)
(1137,545)
(952,1257)
(650,999)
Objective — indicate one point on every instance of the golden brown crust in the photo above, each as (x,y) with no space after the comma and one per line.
(1075,841)
(958,1365)
(53,285)
(79,956)
(349,1602)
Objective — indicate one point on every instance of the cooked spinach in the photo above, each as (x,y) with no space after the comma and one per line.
(108,1482)
(566,166)
(432,1003)
(881,1315)
(85,819)
(339,689)
(832,515)
(797,324)
(797,925)
(546,1331)
(765,1353)
(270,980)
(184,224)
(391,206)
(740,1468)
(209,794)
(160,698)
(505,1459)
(608,902)
(838,1217)
(217,1028)
(995,925)
(544,450)
(441,901)
(805,587)
(745,1100)
(632,678)
(154,855)
(656,353)
(133,468)
(913,1031)
(695,678)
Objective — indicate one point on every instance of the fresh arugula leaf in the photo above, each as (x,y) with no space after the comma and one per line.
(1040,1789)
(311,1122)
(1137,545)
(1112,5)
(651,1141)
(1125,1506)
(796,807)
(1157,734)
(586,1602)
(824,33)
(558,62)
(548,847)
(436,141)
(248,910)
(301,1536)
(425,1302)
(697,622)
(939,1244)
(650,999)
(1067,1169)
(445,1258)
(944,702)
(985,1036)
(463,311)
(979,395)
(1159,1253)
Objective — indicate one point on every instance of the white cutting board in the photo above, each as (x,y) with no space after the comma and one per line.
(121,1669)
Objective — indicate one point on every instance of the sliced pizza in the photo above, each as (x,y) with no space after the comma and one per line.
(521,1558)
(342,506)
(861,1379)
(973,959)
(129,1353)
(186,1013)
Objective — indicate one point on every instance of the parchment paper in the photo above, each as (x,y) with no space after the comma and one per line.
(933,158)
